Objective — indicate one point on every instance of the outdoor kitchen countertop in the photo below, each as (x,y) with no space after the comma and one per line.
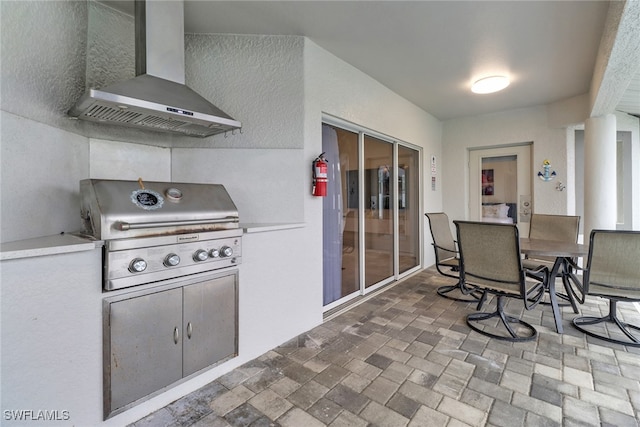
(262,227)
(73,242)
(47,245)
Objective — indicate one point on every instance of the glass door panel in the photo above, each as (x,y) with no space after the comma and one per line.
(340,215)
(379,199)
(408,212)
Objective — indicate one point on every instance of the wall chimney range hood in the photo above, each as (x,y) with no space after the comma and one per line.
(157,98)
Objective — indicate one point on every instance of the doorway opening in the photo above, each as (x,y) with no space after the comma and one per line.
(500,185)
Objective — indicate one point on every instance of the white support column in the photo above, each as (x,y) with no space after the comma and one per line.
(599,174)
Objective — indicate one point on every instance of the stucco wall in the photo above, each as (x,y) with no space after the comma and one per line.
(337,89)
(631,126)
(44,153)
(511,127)
(43,48)
(263,167)
(41,168)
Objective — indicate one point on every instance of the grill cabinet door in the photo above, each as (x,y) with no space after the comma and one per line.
(144,354)
(210,323)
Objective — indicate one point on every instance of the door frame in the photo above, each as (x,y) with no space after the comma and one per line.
(396,275)
(523,152)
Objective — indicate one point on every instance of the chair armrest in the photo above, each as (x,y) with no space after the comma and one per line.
(540,273)
(444,249)
(573,264)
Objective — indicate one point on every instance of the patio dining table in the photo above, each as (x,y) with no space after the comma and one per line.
(564,252)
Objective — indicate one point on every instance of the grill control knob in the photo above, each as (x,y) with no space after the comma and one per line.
(138,265)
(226,251)
(214,253)
(171,260)
(200,255)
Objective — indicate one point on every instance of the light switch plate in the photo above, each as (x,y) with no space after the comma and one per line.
(525,208)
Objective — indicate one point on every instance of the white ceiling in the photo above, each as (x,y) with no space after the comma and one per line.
(430,52)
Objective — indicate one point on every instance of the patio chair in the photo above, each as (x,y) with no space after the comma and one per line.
(613,272)
(490,260)
(562,228)
(447,262)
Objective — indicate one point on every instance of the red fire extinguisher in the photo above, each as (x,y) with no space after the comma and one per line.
(320,166)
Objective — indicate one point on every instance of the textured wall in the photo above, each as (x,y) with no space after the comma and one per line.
(51,310)
(120,160)
(110,46)
(52,51)
(265,185)
(257,80)
(41,168)
(516,126)
(44,156)
(618,57)
(43,47)
(336,88)
(260,81)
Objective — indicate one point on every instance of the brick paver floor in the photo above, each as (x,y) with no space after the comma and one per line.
(406,357)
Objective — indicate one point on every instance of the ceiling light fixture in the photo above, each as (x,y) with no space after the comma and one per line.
(490,84)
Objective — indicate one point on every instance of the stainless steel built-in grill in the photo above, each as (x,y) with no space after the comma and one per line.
(175,248)
(155,231)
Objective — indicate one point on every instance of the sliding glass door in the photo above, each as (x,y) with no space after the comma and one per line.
(379,205)
(409,214)
(371,214)
(340,217)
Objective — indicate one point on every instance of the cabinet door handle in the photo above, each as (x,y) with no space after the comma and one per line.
(176,335)
(189,330)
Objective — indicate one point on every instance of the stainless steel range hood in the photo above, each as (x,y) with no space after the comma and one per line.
(157,99)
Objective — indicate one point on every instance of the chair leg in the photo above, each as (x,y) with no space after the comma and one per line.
(572,287)
(483,299)
(634,339)
(473,296)
(571,283)
(506,321)
(464,296)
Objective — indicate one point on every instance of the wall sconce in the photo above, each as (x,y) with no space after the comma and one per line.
(560,186)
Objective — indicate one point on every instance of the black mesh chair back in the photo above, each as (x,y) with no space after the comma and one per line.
(443,242)
(561,228)
(613,272)
(447,262)
(490,260)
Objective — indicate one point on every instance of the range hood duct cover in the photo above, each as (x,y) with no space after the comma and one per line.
(157,99)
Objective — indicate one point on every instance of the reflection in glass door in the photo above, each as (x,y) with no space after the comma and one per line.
(379,203)
(408,212)
(371,215)
(340,215)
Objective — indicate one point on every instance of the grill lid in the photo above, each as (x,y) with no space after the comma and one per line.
(113,209)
